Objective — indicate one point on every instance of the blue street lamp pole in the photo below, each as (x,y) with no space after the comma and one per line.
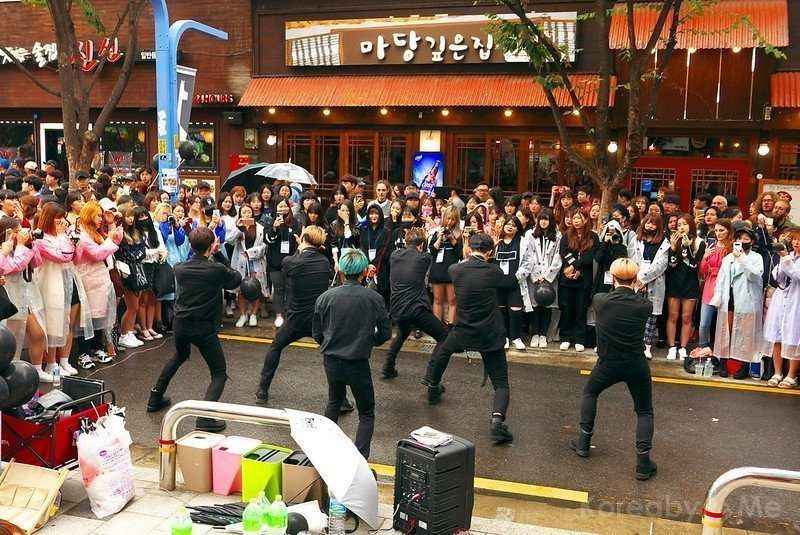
(167,38)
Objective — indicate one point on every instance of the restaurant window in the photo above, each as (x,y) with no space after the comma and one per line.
(470,161)
(326,164)
(647,180)
(505,163)
(544,162)
(361,155)
(298,149)
(789,160)
(13,135)
(393,149)
(699,146)
(203,136)
(124,146)
(715,182)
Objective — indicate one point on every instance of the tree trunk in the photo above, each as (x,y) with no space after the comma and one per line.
(608,199)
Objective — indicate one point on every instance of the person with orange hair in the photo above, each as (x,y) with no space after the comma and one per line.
(92,252)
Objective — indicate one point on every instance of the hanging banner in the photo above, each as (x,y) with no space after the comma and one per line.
(186,78)
(428,171)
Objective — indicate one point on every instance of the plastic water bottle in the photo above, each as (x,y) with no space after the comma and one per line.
(278,517)
(336,516)
(251,518)
(699,368)
(263,502)
(181,523)
(708,369)
(57,378)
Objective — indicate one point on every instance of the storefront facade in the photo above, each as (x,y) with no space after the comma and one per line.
(363,88)
(31,120)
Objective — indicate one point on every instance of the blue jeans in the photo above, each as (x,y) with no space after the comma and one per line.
(707,315)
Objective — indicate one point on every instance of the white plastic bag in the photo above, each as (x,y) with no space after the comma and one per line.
(104,458)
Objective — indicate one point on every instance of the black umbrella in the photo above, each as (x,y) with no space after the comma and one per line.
(246,176)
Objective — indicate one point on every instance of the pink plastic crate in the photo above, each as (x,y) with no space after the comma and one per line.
(226,460)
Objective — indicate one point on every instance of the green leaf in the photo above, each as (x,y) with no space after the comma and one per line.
(91,15)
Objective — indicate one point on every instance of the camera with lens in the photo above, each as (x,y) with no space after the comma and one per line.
(616,238)
(171,219)
(37,234)
(208,211)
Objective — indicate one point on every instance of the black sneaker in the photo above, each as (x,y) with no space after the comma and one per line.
(347,406)
(157,401)
(500,433)
(389,373)
(645,468)
(210,425)
(435,394)
(262,397)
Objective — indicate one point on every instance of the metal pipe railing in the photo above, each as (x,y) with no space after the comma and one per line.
(737,478)
(208,409)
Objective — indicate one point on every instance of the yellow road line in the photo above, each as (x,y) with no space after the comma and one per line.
(509,487)
(238,338)
(719,384)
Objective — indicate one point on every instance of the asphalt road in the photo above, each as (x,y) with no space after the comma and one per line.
(700,432)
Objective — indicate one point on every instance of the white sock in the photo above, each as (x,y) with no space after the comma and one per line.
(63,362)
(646,347)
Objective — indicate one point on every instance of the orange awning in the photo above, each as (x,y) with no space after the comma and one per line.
(785,89)
(412,90)
(720,25)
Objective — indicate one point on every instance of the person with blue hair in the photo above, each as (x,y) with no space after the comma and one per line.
(349,320)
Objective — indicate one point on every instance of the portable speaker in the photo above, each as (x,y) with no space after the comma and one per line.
(434,487)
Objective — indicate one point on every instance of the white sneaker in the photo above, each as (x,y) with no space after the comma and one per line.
(67,370)
(278,321)
(241,321)
(102,357)
(253,320)
(130,341)
(542,342)
(44,377)
(647,353)
(155,334)
(564,346)
(672,354)
(519,345)
(507,345)
(682,353)
(579,348)
(535,341)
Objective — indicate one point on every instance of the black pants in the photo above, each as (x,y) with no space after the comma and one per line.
(203,335)
(494,365)
(356,374)
(574,304)
(426,322)
(637,376)
(540,320)
(293,330)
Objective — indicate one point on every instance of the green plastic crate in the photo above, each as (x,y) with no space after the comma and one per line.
(266,475)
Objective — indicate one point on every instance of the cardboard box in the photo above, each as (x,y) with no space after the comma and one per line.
(28,494)
(194,459)
(301,481)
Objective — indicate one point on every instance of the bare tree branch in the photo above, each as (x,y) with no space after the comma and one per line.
(516,7)
(125,72)
(28,74)
(99,69)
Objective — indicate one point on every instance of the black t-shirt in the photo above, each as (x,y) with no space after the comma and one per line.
(307,276)
(407,280)
(507,256)
(443,258)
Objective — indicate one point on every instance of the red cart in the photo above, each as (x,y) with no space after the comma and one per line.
(51,443)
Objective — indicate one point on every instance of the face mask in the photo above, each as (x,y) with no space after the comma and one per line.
(746,247)
(406,224)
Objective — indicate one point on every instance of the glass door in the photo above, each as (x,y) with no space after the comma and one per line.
(52,146)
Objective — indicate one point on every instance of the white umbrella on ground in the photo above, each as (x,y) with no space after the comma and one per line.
(338,462)
(288,172)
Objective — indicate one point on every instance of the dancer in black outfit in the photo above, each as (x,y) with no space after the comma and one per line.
(198,314)
(409,306)
(479,327)
(621,318)
(307,275)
